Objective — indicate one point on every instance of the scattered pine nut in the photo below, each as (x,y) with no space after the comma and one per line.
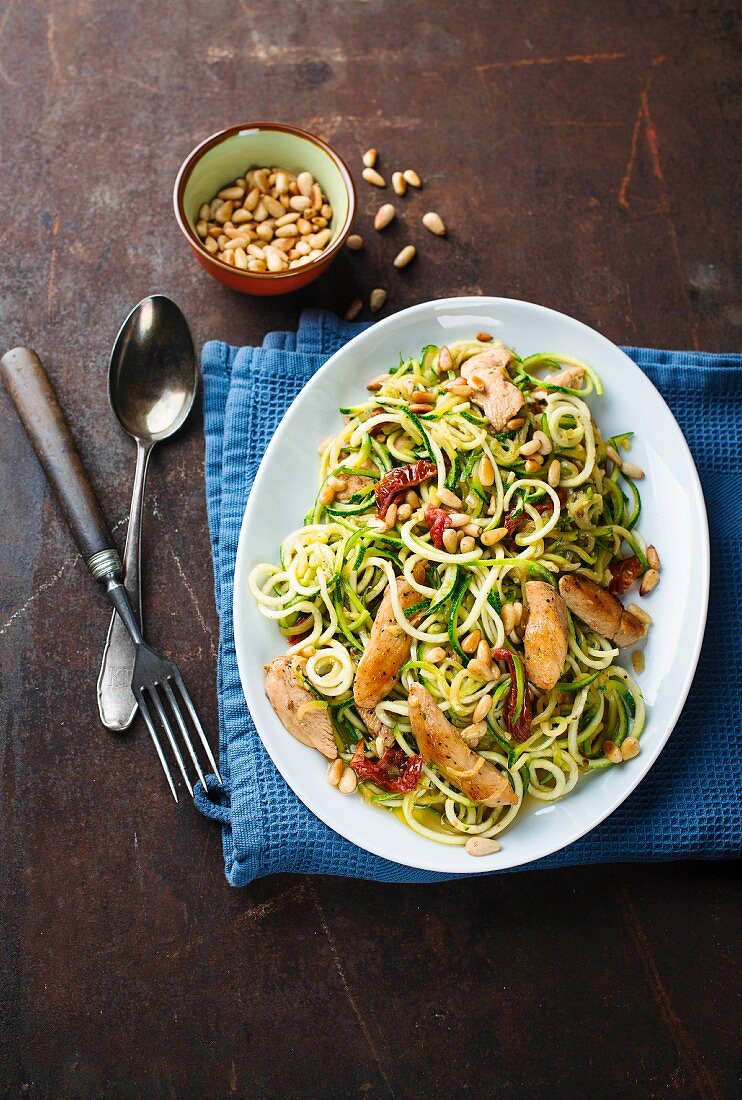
(483,654)
(491,538)
(445,496)
(649,582)
(483,337)
(399,183)
(412,177)
(353,310)
(544,443)
(326,495)
(403,513)
(450,541)
(355,242)
(445,361)
(554,475)
(376,383)
(466,545)
(532,465)
(348,781)
(377,300)
(369,158)
(434,222)
(471,641)
(630,470)
(436,655)
(614,456)
(630,748)
(472,734)
(515,423)
(612,752)
(653,558)
(642,615)
(529,448)
(406,256)
(482,709)
(481,846)
(637,661)
(334,772)
(508,618)
(384,215)
(486,471)
(372,176)
(479,669)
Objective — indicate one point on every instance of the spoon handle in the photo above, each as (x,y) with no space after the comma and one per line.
(116,704)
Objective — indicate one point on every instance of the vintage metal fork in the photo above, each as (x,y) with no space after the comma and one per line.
(156,683)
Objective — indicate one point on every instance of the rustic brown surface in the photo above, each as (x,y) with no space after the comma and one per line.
(581,153)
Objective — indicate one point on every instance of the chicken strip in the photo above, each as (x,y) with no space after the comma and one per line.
(441,743)
(497,397)
(547,634)
(571,377)
(376,727)
(352,484)
(600,610)
(388,647)
(313,725)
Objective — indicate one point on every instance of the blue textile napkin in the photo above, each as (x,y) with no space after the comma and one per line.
(687,806)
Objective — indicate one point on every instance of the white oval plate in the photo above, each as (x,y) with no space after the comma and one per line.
(673,517)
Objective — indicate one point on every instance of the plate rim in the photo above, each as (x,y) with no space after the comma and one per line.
(695,492)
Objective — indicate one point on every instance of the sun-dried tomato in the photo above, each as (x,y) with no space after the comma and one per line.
(437,521)
(624,573)
(394,771)
(399,479)
(519,724)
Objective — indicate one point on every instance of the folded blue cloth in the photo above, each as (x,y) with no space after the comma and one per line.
(687,806)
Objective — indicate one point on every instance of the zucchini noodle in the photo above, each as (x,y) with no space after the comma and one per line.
(334,571)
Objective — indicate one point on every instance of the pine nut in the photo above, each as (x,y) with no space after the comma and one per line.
(282,182)
(508,617)
(515,423)
(287,219)
(554,476)
(435,655)
(529,448)
(445,360)
(377,299)
(334,772)
(544,443)
(466,545)
(484,655)
(302,248)
(649,582)
(472,529)
(210,245)
(326,495)
(482,846)
(471,641)
(319,240)
(630,470)
(265,231)
(235,242)
(305,183)
(434,222)
(233,193)
(532,465)
(384,215)
(274,259)
(482,709)
(299,202)
(640,613)
(224,212)
(304,227)
(491,538)
(460,390)
(204,212)
(479,669)
(355,242)
(316,196)
(376,383)
(653,558)
(260,213)
(261,180)
(424,397)
(612,752)
(241,217)
(412,177)
(286,231)
(458,519)
(450,541)
(412,498)
(319,223)
(369,158)
(326,211)
(202,228)
(372,176)
(399,183)
(630,748)
(390,519)
(472,734)
(483,337)
(486,471)
(353,310)
(445,496)
(348,781)
(614,456)
(518,610)
(252,199)
(406,256)
(403,513)
(637,661)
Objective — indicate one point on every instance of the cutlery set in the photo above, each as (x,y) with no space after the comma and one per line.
(152,383)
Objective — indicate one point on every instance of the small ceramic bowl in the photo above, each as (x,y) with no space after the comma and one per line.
(226,156)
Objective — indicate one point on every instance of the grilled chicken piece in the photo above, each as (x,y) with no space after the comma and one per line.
(376,727)
(600,610)
(547,635)
(388,647)
(288,695)
(497,397)
(441,743)
(570,377)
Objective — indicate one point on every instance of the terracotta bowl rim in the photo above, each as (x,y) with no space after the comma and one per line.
(195,155)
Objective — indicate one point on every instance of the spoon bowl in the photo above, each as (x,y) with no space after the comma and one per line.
(152,381)
(152,375)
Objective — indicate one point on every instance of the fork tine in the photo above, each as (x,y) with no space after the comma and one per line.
(170,736)
(155,740)
(196,721)
(183,729)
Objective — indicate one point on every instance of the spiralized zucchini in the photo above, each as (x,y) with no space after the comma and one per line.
(334,570)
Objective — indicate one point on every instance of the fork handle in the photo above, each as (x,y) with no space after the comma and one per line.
(36,404)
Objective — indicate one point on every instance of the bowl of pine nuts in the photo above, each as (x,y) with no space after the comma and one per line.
(266,207)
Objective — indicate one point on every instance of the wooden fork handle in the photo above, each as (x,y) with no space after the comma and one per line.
(36,404)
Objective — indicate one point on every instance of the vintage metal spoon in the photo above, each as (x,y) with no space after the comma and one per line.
(152,379)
